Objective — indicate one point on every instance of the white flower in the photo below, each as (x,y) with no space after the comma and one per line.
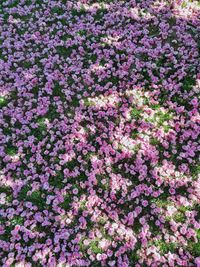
(171,210)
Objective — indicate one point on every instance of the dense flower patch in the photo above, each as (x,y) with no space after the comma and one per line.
(99,138)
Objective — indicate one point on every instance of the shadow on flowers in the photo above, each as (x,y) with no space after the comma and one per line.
(100,127)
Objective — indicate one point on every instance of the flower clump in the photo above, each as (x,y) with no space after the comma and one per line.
(99,133)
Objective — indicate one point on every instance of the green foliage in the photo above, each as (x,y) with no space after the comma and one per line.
(100,13)
(17,220)
(67,202)
(70,81)
(5,189)
(198,234)
(35,198)
(154,228)
(57,181)
(78,13)
(184,4)
(154,141)
(82,177)
(82,32)
(71,164)
(66,37)
(134,134)
(39,132)
(166,128)
(166,247)
(27,64)
(163,97)
(188,82)
(94,246)
(14,3)
(6,235)
(194,248)
(96,264)
(11,150)
(28,2)
(41,123)
(82,205)
(172,21)
(57,10)
(89,58)
(195,170)
(135,113)
(161,61)
(155,106)
(75,102)
(163,116)
(153,30)
(102,62)
(23,192)
(35,90)
(7,131)
(65,51)
(179,217)
(133,257)
(3,101)
(52,113)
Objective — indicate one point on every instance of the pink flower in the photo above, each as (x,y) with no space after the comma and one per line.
(197,261)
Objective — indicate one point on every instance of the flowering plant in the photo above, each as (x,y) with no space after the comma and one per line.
(100,131)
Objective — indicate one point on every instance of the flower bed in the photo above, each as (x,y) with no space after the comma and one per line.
(99,139)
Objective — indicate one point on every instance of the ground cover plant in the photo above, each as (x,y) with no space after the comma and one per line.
(99,133)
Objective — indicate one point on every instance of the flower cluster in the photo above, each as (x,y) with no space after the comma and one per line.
(99,133)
